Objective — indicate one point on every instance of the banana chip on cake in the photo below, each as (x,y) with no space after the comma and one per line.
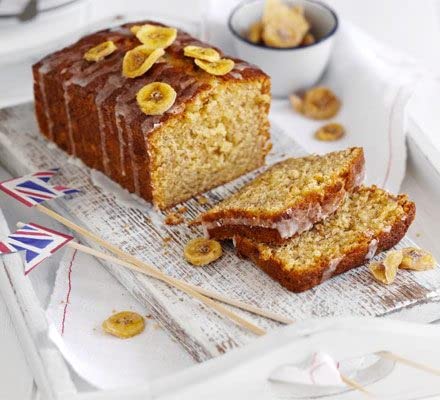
(100,51)
(139,60)
(202,53)
(220,67)
(156,37)
(156,98)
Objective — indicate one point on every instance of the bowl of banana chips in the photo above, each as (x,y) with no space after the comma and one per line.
(291,40)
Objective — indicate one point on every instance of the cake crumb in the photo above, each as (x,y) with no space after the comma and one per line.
(202,200)
(195,222)
(182,210)
(166,240)
(174,218)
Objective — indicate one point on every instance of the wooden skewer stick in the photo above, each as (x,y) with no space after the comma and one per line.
(253,328)
(104,256)
(221,309)
(356,386)
(144,266)
(414,364)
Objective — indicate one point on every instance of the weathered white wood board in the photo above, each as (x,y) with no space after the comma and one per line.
(142,232)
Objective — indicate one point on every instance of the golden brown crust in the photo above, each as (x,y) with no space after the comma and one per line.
(299,281)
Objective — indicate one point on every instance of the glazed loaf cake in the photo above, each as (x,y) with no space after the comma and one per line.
(288,198)
(216,130)
(368,222)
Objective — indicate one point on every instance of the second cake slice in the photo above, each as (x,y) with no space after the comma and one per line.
(288,198)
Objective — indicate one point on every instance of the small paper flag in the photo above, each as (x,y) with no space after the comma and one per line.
(34,188)
(36,241)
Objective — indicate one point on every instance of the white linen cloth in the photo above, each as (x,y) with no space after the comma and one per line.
(83,297)
(374,85)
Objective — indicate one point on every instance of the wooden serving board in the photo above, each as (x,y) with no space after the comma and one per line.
(141,232)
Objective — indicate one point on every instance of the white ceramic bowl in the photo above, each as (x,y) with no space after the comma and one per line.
(291,69)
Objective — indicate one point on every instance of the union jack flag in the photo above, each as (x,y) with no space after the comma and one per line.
(34,188)
(36,241)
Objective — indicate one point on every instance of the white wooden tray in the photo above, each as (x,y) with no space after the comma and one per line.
(201,331)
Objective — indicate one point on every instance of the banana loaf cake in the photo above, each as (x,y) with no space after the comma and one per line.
(288,198)
(158,111)
(369,221)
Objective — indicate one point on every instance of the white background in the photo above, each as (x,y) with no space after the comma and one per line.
(412,26)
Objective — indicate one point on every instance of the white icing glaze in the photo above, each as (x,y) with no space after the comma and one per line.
(295,221)
(121,141)
(236,75)
(69,119)
(113,83)
(359,178)
(45,103)
(372,248)
(329,272)
(51,145)
(134,167)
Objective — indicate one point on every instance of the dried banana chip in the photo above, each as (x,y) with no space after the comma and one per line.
(100,51)
(255,31)
(417,259)
(320,103)
(156,37)
(330,132)
(202,53)
(308,40)
(296,103)
(386,270)
(124,324)
(201,251)
(156,98)
(284,26)
(221,67)
(139,60)
(135,29)
(298,8)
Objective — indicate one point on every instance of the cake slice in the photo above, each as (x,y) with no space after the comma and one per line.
(369,221)
(288,198)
